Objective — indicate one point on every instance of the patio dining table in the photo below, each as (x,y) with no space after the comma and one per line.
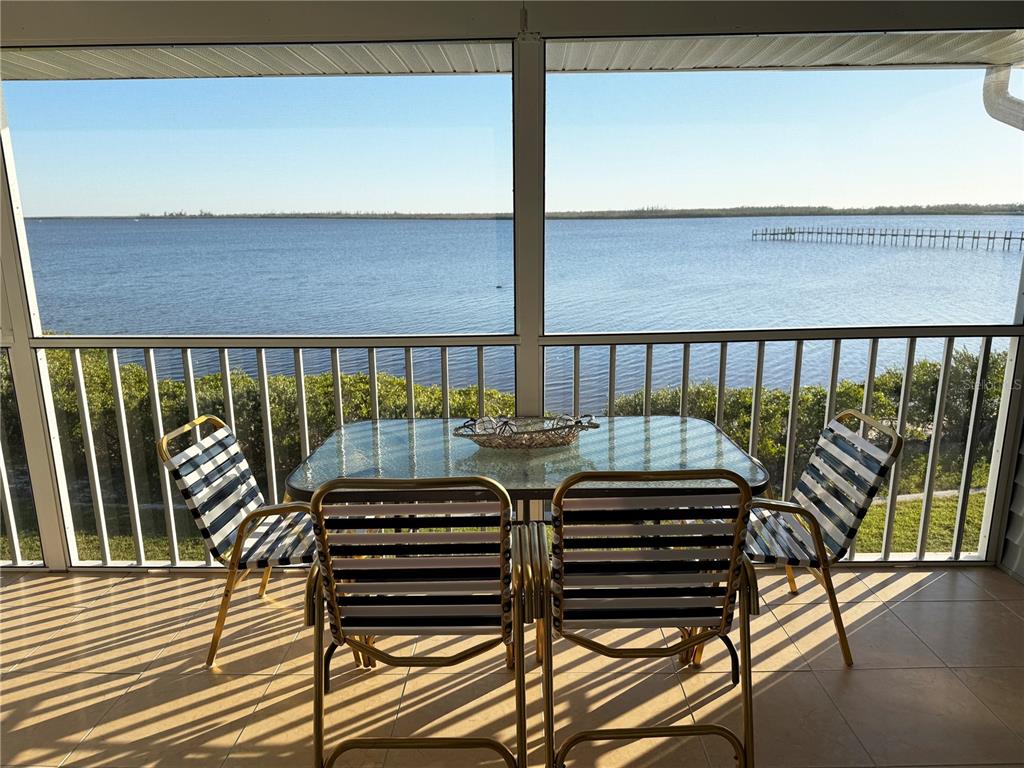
(418,448)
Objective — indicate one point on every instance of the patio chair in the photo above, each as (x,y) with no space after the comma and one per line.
(656,561)
(239,529)
(412,562)
(817,526)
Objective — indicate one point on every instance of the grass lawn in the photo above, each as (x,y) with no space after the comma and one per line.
(907,520)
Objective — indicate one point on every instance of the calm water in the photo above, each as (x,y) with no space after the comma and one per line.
(376,277)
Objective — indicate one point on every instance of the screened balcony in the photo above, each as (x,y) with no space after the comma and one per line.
(108,592)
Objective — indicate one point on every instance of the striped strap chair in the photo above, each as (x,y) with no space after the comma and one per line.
(669,561)
(399,557)
(240,530)
(817,526)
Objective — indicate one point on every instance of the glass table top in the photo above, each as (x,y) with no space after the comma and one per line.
(426,448)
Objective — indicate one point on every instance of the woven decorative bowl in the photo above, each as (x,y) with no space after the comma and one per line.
(525,431)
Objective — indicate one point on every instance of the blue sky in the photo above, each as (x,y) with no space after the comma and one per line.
(841,138)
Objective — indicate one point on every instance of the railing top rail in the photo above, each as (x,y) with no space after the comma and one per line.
(269,342)
(784,334)
(549,340)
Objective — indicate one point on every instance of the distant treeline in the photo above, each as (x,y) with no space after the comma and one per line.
(945,209)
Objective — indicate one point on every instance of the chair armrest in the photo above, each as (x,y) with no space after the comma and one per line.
(271,510)
(809,520)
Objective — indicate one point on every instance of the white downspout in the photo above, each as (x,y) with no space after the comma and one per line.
(999,104)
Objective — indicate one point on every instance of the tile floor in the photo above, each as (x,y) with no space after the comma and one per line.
(108,671)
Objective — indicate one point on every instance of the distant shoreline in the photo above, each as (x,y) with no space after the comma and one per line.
(951,209)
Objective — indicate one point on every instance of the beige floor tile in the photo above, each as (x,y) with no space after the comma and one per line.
(34,606)
(967,634)
(298,659)
(774,588)
(44,715)
(878,639)
(998,584)
(256,637)
(587,701)
(173,720)
(456,705)
(1000,689)
(491,660)
(919,716)
(795,723)
(771,648)
(895,585)
(125,628)
(280,731)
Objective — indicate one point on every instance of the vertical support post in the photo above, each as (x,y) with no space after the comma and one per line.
(371,367)
(684,383)
(528,184)
(30,373)
(901,425)
(410,392)
(648,376)
(225,380)
(300,403)
(165,477)
(755,403)
(480,382)
(126,456)
(933,450)
(339,406)
(794,408)
(8,513)
(611,380)
(723,362)
(833,381)
(85,419)
(576,380)
(268,426)
(445,404)
(971,449)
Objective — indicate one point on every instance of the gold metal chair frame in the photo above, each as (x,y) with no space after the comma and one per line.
(317,598)
(234,578)
(538,591)
(823,573)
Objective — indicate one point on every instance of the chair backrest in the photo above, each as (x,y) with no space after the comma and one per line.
(418,565)
(658,560)
(215,480)
(842,477)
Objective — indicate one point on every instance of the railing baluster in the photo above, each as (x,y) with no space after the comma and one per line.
(576,380)
(190,388)
(126,456)
(8,512)
(339,405)
(933,449)
(480,382)
(225,380)
(755,402)
(371,366)
(193,410)
(684,383)
(268,427)
(648,376)
(300,403)
(85,419)
(868,405)
(971,449)
(611,379)
(901,424)
(723,362)
(833,381)
(165,476)
(445,406)
(410,393)
(794,407)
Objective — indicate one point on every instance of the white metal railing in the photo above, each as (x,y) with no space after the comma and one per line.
(134,446)
(890,504)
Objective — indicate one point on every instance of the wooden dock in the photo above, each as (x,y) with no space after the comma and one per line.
(926,238)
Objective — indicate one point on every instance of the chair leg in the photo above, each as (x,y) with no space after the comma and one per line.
(548,675)
(318,676)
(222,614)
(539,644)
(793,590)
(266,580)
(519,661)
(746,679)
(830,589)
